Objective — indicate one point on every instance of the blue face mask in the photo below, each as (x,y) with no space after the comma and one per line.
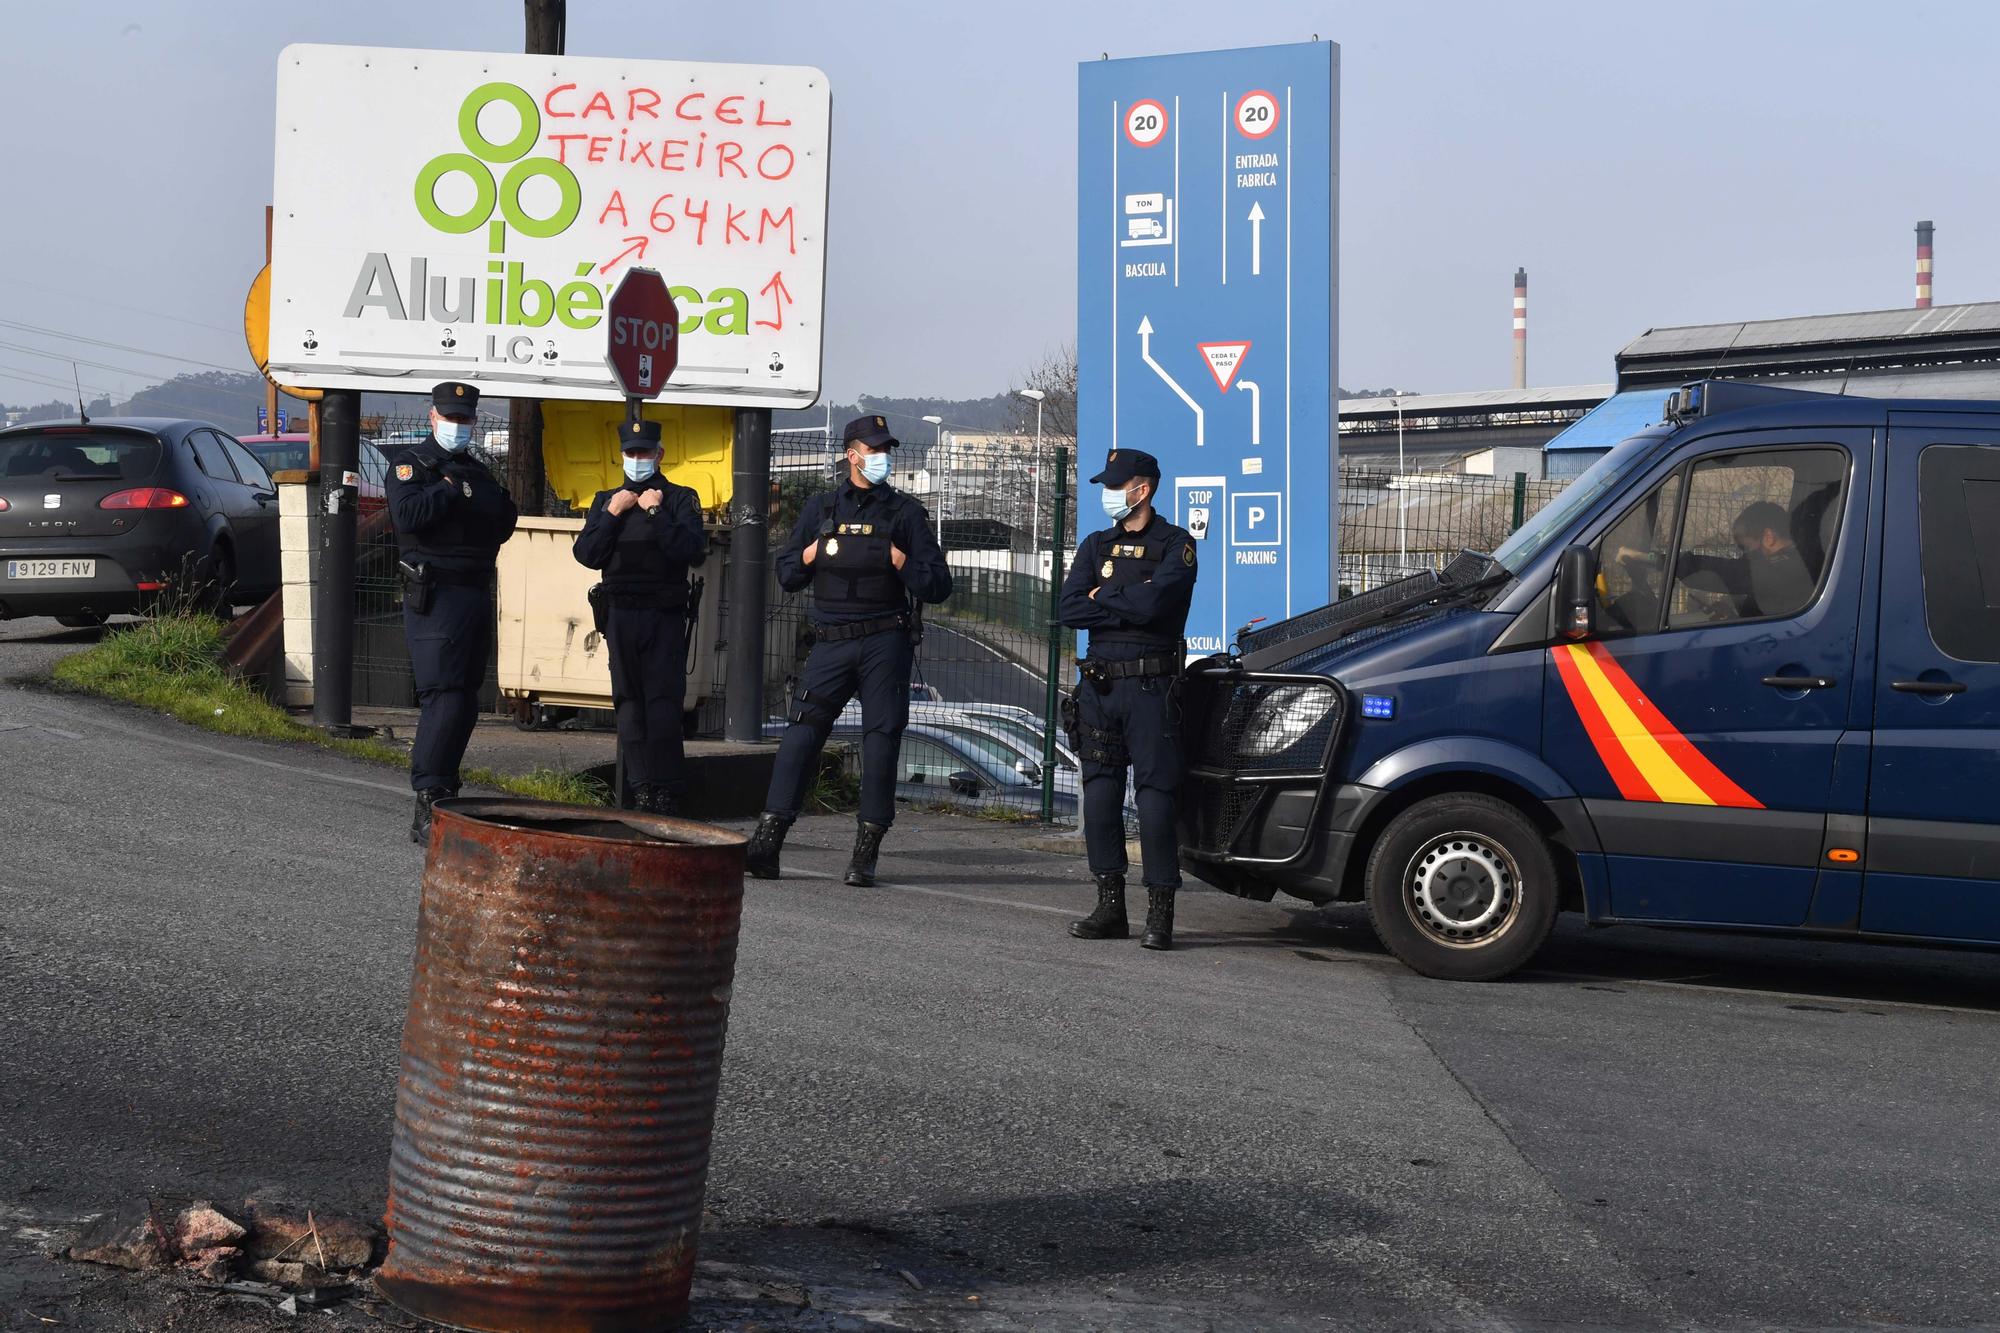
(640,468)
(875,467)
(453,435)
(1116,506)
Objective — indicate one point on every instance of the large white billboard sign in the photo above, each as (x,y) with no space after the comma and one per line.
(448,215)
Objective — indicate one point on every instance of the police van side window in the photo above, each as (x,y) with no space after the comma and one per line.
(1958,520)
(1757,537)
(1630,557)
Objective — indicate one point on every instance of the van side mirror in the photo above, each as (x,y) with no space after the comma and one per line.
(1576,593)
(966,783)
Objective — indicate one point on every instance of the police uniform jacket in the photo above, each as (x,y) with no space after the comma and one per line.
(853,577)
(1144,582)
(449,512)
(645,556)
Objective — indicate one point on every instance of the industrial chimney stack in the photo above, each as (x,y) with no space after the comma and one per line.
(1924,265)
(1521,324)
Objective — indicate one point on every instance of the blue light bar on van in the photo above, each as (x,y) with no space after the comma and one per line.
(1378,706)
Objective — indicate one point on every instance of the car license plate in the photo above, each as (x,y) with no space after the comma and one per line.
(51,569)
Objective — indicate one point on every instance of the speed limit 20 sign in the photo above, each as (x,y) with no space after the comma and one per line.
(1146,123)
(1256,114)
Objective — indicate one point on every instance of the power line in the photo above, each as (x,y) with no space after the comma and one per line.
(50,382)
(113,305)
(224,390)
(116,347)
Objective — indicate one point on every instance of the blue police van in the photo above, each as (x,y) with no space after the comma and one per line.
(1743,674)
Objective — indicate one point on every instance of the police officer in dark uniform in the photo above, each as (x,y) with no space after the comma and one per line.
(451,518)
(872,560)
(1130,587)
(644,535)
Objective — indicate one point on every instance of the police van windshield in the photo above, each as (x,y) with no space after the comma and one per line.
(1520,550)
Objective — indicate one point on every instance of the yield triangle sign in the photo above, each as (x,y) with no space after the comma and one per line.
(1224,360)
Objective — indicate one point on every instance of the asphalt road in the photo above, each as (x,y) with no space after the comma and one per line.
(968,671)
(205,949)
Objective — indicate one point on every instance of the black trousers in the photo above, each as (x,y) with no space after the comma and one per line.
(649,690)
(1139,713)
(876,667)
(449,648)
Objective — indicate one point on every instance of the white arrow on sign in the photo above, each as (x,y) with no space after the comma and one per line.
(1146,355)
(1256,410)
(1256,239)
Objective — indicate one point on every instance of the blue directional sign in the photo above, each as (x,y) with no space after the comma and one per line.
(1205,311)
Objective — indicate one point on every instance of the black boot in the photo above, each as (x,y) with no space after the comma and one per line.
(1159,919)
(1108,921)
(867,845)
(640,797)
(761,860)
(420,825)
(656,798)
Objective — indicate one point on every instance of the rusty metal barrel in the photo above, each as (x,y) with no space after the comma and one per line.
(559,1068)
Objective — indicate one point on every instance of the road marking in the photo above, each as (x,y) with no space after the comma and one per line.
(1752,991)
(217,751)
(933,892)
(31,726)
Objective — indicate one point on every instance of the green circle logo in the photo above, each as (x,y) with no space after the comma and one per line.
(477,166)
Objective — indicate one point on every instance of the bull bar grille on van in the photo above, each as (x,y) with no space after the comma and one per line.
(1254,735)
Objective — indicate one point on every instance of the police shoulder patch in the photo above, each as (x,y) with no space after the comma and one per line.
(1187,554)
(404,472)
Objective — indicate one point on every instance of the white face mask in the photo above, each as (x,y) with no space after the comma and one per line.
(875,468)
(453,435)
(640,468)
(1116,505)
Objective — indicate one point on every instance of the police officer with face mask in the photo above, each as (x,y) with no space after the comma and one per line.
(1130,587)
(451,518)
(871,558)
(644,535)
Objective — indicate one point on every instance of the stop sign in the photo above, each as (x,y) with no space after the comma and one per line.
(644,333)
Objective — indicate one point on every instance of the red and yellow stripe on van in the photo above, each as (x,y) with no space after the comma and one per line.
(1647,756)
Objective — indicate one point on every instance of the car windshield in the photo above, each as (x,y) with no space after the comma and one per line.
(1520,550)
(78,454)
(282,456)
(997,754)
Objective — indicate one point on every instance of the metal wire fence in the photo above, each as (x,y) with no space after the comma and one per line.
(981,682)
(1395,524)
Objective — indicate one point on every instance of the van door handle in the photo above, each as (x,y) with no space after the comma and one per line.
(1928,686)
(1800,682)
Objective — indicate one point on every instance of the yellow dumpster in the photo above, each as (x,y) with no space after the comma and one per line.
(550,652)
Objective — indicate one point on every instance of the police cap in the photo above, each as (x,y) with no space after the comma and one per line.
(871,431)
(639,436)
(1124,464)
(453,399)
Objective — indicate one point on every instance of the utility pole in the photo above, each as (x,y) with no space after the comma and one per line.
(547,23)
(337,427)
(749,556)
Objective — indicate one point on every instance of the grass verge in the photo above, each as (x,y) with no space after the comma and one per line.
(173,665)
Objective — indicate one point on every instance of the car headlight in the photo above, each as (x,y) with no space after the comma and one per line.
(1283,717)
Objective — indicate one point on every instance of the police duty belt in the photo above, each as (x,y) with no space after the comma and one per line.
(1102,673)
(861,628)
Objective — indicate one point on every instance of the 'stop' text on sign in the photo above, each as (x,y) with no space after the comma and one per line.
(459,215)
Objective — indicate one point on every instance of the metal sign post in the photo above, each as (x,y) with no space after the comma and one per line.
(1206,306)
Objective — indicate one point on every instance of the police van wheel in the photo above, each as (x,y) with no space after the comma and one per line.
(1462,887)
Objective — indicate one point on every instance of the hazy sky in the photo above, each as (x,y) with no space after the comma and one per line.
(1650,165)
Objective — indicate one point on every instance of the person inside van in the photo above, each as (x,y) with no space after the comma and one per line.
(1769,578)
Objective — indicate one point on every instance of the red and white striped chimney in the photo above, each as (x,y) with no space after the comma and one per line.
(1924,230)
(1521,328)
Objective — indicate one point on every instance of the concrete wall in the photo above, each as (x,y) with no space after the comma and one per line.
(297,554)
